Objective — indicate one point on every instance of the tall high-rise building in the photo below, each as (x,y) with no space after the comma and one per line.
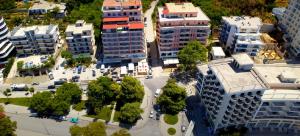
(123,31)
(241,34)
(35,39)
(237,92)
(291,27)
(6,47)
(177,24)
(80,38)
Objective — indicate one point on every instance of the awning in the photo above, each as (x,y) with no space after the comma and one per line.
(131,67)
(123,70)
(171,61)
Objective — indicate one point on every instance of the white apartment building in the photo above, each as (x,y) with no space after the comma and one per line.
(291,26)
(35,39)
(178,24)
(237,92)
(230,92)
(241,34)
(80,38)
(6,47)
(43,7)
(280,107)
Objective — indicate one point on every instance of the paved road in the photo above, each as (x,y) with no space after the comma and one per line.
(29,125)
(156,83)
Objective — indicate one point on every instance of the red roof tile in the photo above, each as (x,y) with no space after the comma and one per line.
(115,19)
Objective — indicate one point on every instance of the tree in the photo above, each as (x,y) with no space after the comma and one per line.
(31,90)
(7,127)
(192,53)
(59,107)
(20,65)
(101,92)
(69,92)
(172,99)
(130,113)
(7,4)
(121,132)
(93,129)
(131,91)
(7,93)
(41,103)
(66,54)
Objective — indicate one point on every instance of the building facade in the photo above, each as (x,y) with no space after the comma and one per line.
(123,31)
(177,24)
(241,34)
(237,92)
(230,92)
(6,47)
(35,39)
(80,38)
(290,25)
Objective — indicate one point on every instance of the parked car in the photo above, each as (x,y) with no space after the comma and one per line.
(83,69)
(157,116)
(74,70)
(151,114)
(35,83)
(79,68)
(50,74)
(183,128)
(93,73)
(51,87)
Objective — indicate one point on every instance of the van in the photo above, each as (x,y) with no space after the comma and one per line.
(157,92)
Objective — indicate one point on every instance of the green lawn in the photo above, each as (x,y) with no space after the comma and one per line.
(171,131)
(116,116)
(104,114)
(171,119)
(16,101)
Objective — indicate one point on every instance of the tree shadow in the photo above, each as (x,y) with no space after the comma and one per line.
(184,77)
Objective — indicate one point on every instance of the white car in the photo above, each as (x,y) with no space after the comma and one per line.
(151,114)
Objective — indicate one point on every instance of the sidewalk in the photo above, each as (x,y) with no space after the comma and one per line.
(164,126)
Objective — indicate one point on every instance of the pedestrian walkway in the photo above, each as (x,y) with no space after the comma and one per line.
(164,126)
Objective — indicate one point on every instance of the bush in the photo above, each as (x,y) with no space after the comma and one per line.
(171,131)
(79,106)
(8,67)
(171,119)
(20,65)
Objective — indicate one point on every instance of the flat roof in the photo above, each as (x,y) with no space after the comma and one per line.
(270,72)
(201,16)
(281,94)
(39,30)
(79,29)
(234,80)
(42,4)
(115,3)
(244,21)
(218,51)
(185,7)
(243,59)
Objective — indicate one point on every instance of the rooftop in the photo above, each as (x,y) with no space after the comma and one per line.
(38,30)
(48,5)
(180,7)
(201,16)
(114,3)
(79,28)
(243,59)
(244,21)
(234,80)
(279,75)
(218,51)
(279,94)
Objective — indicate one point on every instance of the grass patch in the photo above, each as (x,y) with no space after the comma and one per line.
(116,116)
(16,101)
(171,131)
(79,106)
(171,119)
(104,114)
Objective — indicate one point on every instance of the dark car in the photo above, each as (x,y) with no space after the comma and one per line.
(93,73)
(51,87)
(157,116)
